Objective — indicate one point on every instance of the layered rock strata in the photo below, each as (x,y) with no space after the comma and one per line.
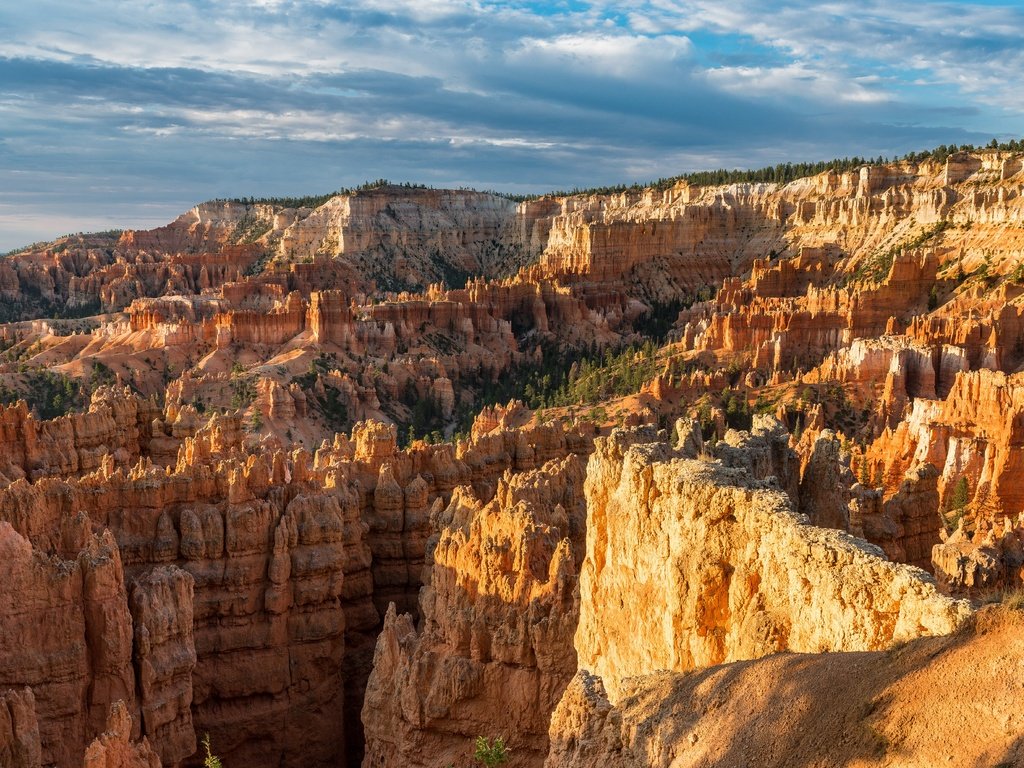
(494,649)
(974,433)
(709,566)
(116,423)
(255,657)
(245,605)
(114,748)
(19,730)
(65,633)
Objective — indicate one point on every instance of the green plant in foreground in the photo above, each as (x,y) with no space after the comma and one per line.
(490,753)
(211,760)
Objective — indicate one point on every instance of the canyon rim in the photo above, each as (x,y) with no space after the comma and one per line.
(719,470)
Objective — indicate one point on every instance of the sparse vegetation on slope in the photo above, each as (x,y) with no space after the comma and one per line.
(48,394)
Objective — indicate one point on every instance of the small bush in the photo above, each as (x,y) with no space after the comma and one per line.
(957,503)
(490,753)
(210,760)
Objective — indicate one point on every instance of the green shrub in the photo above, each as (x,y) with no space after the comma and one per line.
(957,503)
(243,393)
(210,760)
(48,394)
(490,753)
(737,410)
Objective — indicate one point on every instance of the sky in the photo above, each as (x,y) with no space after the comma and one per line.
(125,114)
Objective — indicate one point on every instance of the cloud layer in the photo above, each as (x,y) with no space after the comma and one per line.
(126,113)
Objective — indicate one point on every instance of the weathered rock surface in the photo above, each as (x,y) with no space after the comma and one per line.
(246,602)
(494,651)
(165,656)
(115,424)
(65,632)
(709,565)
(241,582)
(987,561)
(255,657)
(19,730)
(976,432)
(114,748)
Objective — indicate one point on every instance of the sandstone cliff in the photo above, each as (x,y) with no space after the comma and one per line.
(975,432)
(236,589)
(709,565)
(115,424)
(257,650)
(66,634)
(240,544)
(113,748)
(494,650)
(19,730)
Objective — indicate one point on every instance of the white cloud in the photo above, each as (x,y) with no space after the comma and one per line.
(617,55)
(779,82)
(973,48)
(201,98)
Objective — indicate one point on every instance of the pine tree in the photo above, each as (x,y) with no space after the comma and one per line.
(864,476)
(960,497)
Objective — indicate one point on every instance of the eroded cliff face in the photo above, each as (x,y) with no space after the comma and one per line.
(685,237)
(435,234)
(66,633)
(494,649)
(162,610)
(660,242)
(19,729)
(237,576)
(235,591)
(115,425)
(113,748)
(975,432)
(242,542)
(709,565)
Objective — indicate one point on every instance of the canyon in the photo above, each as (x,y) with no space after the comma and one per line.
(627,478)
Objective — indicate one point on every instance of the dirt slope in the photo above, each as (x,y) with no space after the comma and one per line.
(948,701)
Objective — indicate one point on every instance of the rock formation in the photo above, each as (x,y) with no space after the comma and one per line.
(494,651)
(269,513)
(19,730)
(988,561)
(114,749)
(709,565)
(259,649)
(114,424)
(66,634)
(165,656)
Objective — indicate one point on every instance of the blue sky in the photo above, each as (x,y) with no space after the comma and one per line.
(127,113)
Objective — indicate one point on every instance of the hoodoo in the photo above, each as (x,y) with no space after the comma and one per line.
(700,474)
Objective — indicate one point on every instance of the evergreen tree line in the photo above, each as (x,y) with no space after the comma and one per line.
(315,201)
(50,394)
(782,173)
(571,377)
